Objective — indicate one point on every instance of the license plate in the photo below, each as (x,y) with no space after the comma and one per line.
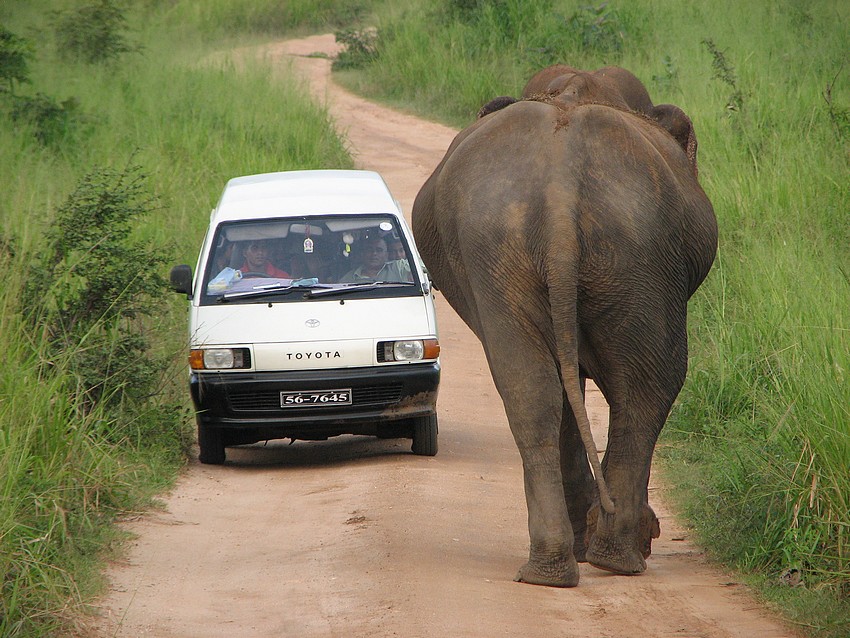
(317,398)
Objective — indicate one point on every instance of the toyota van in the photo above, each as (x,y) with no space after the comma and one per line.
(311,315)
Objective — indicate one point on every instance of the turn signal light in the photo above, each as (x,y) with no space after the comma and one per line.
(220,359)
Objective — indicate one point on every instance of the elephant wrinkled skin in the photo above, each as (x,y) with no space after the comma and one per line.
(569,237)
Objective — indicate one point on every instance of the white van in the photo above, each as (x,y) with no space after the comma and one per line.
(311,315)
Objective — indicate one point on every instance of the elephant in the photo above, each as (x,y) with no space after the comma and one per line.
(564,85)
(569,238)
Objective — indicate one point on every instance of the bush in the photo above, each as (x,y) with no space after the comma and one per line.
(15,54)
(51,121)
(597,29)
(361,48)
(93,33)
(93,285)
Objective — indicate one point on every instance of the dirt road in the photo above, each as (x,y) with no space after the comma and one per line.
(358,537)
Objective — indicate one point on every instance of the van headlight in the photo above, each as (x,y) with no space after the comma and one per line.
(408,350)
(220,359)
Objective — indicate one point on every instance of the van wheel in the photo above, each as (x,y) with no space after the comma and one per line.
(425,435)
(211,444)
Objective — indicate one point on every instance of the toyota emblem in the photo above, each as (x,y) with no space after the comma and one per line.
(312,323)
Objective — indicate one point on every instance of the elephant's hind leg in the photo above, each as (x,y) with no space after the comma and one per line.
(530,387)
(640,389)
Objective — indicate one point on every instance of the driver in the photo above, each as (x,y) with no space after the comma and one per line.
(257,261)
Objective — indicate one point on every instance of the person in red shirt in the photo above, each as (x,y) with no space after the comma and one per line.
(257,261)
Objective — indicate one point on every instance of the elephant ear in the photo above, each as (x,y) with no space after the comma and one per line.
(679,125)
(496,104)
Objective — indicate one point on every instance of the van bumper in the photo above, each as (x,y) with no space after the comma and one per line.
(248,405)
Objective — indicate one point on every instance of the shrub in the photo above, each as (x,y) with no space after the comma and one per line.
(725,72)
(51,121)
(597,29)
(668,80)
(838,115)
(15,54)
(93,33)
(361,48)
(93,285)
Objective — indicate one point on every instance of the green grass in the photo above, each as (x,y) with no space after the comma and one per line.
(759,442)
(191,118)
(758,445)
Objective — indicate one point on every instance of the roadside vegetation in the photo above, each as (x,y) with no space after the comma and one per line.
(757,449)
(114,146)
(115,143)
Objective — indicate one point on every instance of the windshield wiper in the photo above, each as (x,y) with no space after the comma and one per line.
(366,285)
(273,289)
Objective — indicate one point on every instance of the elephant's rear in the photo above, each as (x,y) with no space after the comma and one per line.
(532,192)
(584,228)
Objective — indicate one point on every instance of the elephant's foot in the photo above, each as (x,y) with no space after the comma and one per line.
(620,554)
(648,529)
(550,574)
(615,554)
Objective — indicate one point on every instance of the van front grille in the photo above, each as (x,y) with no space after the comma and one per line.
(269,400)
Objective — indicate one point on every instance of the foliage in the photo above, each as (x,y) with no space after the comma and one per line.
(668,81)
(51,121)
(72,408)
(95,415)
(93,284)
(268,17)
(597,29)
(92,33)
(15,54)
(361,48)
(725,72)
(839,115)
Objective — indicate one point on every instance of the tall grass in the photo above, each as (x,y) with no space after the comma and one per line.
(760,434)
(759,441)
(59,479)
(219,18)
(191,121)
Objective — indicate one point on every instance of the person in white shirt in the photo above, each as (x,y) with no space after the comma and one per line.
(374,265)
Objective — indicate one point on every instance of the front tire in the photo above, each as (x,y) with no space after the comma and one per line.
(425,435)
(211,444)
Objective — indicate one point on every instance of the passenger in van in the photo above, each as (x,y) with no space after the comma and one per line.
(257,261)
(395,249)
(374,265)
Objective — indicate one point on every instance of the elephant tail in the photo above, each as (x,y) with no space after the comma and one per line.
(576,399)
(566,329)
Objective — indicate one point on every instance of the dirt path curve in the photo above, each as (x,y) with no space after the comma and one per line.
(358,537)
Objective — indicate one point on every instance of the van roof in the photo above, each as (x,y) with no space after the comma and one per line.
(304,193)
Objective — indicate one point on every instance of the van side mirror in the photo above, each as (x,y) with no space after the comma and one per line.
(428,285)
(181,280)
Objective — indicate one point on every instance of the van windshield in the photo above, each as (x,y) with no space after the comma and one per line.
(277,257)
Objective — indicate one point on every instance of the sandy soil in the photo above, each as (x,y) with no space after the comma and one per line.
(358,537)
